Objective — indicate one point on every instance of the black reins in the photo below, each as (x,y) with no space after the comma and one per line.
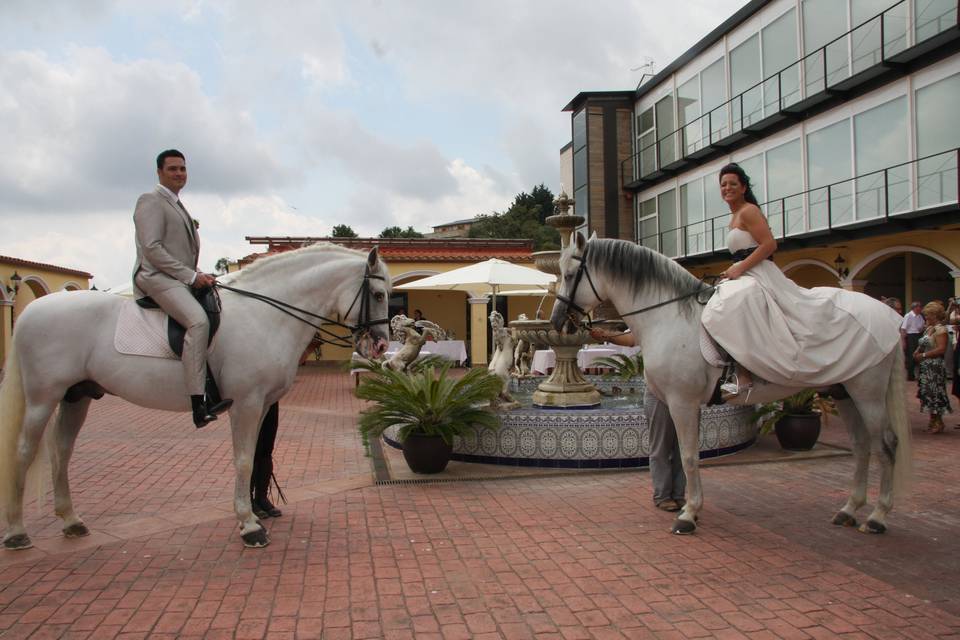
(357,331)
(583,272)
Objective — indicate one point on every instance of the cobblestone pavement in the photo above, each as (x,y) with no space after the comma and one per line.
(567,556)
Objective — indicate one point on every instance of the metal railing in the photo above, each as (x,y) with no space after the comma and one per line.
(766,98)
(868,198)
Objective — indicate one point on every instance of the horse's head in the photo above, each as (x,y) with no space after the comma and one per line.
(371,335)
(576,293)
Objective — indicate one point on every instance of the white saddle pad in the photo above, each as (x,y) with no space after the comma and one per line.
(711,351)
(142,332)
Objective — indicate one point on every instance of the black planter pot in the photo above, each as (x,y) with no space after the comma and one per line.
(426,454)
(798,432)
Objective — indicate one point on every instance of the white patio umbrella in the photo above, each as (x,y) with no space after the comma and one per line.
(492,275)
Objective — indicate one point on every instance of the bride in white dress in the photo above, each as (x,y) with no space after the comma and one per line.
(782,332)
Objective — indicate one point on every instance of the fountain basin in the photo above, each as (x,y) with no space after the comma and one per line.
(606,437)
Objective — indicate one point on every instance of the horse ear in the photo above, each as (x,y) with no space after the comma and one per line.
(372,257)
(581,241)
(593,235)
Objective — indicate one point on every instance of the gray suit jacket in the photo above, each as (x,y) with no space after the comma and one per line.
(168,246)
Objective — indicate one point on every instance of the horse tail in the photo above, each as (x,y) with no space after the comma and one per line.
(898,447)
(12,406)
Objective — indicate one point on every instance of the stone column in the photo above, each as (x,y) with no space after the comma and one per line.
(956,282)
(478,330)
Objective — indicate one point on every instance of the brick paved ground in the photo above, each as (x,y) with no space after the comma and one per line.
(551,557)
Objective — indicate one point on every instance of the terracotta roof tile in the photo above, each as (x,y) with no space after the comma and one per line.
(42,265)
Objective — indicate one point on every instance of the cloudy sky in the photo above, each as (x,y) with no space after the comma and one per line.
(299,115)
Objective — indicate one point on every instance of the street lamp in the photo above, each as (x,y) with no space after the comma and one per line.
(14,285)
(841,265)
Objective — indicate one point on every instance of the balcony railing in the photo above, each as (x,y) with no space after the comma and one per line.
(867,199)
(857,55)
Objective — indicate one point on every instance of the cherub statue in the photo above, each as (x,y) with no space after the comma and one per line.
(412,338)
(523,354)
(501,362)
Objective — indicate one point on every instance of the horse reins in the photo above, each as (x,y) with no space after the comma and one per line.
(582,272)
(363,326)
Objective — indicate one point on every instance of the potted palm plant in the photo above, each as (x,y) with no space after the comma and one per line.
(796,419)
(428,407)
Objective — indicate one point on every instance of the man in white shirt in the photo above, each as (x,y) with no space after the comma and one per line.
(910,330)
(168,249)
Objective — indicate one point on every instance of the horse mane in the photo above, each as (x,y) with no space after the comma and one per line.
(267,262)
(639,267)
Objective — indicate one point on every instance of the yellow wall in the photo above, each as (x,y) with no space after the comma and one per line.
(36,282)
(862,256)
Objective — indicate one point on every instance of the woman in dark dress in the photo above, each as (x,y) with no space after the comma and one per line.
(931,369)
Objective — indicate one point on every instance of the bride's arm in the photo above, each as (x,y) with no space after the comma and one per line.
(757,226)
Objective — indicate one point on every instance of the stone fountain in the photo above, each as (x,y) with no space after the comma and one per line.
(566,388)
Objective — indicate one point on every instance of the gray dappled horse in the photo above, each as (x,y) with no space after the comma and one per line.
(659,302)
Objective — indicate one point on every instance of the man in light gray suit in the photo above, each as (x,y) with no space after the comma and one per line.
(168,249)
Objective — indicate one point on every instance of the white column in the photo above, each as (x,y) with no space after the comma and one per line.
(478,330)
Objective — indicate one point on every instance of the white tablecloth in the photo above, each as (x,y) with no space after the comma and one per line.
(545,359)
(454,350)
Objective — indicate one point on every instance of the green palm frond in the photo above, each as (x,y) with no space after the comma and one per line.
(428,401)
(801,403)
(621,366)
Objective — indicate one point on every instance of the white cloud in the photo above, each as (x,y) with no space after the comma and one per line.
(80,132)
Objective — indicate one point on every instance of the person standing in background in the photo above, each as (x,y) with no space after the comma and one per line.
(910,330)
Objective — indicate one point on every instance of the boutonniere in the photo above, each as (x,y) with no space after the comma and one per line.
(196,223)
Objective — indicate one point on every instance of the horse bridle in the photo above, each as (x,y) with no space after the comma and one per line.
(357,331)
(582,272)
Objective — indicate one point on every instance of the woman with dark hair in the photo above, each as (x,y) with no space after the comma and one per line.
(772,327)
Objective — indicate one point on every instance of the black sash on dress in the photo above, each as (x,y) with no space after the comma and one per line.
(743,253)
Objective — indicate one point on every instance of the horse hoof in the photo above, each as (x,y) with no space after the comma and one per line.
(18,542)
(78,530)
(256,539)
(872,526)
(844,519)
(683,527)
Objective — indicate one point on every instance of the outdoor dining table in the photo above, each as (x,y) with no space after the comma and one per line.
(545,359)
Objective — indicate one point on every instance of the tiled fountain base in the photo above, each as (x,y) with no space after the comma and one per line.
(593,438)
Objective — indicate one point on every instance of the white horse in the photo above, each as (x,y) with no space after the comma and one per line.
(667,330)
(65,342)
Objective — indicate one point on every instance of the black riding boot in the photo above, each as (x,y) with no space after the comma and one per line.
(260,488)
(201,415)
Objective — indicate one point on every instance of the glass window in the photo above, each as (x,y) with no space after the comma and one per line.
(828,163)
(779,42)
(647,224)
(666,126)
(937,132)
(933,16)
(823,22)
(646,141)
(669,234)
(692,216)
(579,129)
(880,141)
(688,109)
(866,24)
(713,94)
(784,181)
(745,77)
(582,205)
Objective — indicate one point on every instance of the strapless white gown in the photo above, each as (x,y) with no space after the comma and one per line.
(790,335)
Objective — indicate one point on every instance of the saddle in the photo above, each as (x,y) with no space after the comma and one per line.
(210,301)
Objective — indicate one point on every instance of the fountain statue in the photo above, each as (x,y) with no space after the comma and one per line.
(566,387)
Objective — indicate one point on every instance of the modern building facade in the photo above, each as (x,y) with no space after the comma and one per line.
(841,111)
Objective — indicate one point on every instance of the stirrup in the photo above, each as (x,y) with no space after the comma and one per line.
(732,388)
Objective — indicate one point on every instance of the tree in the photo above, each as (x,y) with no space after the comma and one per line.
(222,266)
(397,232)
(343,231)
(525,218)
